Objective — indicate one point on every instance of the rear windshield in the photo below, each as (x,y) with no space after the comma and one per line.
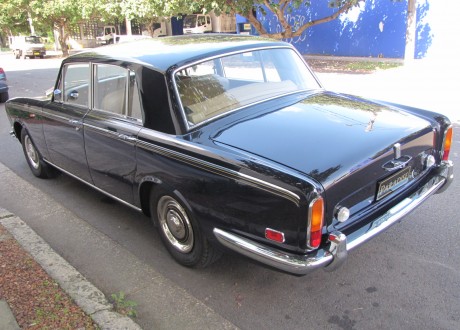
(222,85)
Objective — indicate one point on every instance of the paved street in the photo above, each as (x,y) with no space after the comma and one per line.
(407,278)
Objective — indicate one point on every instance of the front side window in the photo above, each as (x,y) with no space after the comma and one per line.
(213,88)
(76,84)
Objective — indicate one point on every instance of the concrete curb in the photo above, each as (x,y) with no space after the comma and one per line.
(85,294)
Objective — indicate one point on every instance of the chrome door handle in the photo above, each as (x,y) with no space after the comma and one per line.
(77,123)
(128,138)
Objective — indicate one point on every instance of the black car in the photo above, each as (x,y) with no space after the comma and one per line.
(3,87)
(230,143)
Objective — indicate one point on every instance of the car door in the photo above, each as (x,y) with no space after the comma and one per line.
(111,129)
(63,125)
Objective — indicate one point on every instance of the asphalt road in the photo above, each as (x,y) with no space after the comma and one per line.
(408,277)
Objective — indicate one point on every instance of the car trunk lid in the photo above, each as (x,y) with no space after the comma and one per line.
(343,142)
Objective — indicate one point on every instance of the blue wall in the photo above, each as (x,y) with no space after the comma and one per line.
(376,28)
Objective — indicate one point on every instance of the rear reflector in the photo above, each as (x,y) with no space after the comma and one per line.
(316,215)
(447,143)
(274,235)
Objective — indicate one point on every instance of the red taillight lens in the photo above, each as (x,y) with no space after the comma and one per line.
(447,143)
(316,216)
(274,235)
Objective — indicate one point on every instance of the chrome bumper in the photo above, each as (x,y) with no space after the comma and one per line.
(339,244)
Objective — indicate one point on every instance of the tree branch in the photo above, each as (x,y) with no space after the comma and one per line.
(326,19)
(255,22)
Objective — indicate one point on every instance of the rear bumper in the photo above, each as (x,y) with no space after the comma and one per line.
(336,253)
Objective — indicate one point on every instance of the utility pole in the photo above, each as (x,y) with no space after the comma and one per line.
(409,52)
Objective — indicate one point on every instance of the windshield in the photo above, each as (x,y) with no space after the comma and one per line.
(190,21)
(33,40)
(216,87)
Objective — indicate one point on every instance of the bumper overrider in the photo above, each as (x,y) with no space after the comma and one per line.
(335,254)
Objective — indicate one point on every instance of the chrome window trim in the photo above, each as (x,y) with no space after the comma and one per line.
(176,91)
(117,116)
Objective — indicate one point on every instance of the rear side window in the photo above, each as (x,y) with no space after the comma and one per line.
(110,88)
(116,90)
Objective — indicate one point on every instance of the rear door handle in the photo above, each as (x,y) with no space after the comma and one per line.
(128,138)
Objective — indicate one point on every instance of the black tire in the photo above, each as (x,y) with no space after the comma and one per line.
(32,57)
(36,164)
(4,97)
(180,232)
(42,56)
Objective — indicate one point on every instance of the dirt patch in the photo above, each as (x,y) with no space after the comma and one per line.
(344,66)
(35,299)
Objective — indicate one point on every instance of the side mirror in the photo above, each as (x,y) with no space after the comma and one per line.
(73,95)
(57,95)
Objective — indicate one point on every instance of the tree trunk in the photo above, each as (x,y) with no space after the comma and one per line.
(63,36)
(409,52)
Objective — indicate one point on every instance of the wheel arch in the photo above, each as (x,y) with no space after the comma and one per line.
(17,128)
(152,185)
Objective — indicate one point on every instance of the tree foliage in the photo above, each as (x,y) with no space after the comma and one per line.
(280,8)
(63,15)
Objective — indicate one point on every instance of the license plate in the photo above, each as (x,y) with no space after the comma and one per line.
(387,186)
(37,53)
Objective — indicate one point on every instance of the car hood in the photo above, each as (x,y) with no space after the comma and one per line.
(326,135)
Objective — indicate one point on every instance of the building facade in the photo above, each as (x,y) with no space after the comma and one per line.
(375,28)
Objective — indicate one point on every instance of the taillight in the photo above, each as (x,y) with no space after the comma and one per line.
(316,216)
(447,144)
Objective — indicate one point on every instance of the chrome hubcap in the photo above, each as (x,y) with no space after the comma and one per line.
(31,152)
(175,224)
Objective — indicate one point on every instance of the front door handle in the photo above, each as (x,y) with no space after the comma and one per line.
(77,123)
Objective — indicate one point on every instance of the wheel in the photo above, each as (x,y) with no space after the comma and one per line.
(180,233)
(42,56)
(38,167)
(4,97)
(32,57)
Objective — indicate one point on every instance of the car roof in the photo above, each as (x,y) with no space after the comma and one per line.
(166,52)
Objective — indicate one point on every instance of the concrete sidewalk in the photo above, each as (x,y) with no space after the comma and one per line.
(158,298)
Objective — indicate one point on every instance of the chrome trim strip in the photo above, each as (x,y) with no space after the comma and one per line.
(94,187)
(129,139)
(336,252)
(213,168)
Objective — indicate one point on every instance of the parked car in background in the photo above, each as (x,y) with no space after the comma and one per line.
(207,23)
(230,143)
(27,46)
(3,86)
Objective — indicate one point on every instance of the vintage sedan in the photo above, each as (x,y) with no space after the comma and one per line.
(230,143)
